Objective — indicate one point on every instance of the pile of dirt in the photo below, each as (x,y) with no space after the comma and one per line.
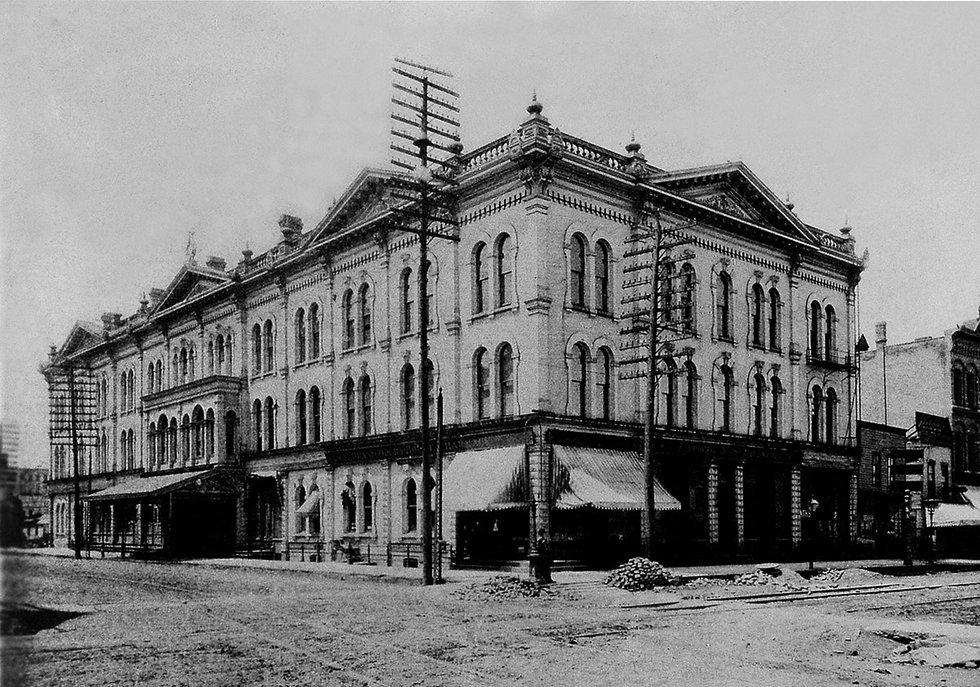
(638,574)
(772,575)
(504,588)
(846,576)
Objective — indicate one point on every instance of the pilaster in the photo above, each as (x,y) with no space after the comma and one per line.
(713,502)
(796,507)
(740,504)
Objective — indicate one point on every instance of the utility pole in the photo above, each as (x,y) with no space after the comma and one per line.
(73,404)
(426,198)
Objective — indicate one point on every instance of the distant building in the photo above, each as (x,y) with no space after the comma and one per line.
(274,404)
(9,443)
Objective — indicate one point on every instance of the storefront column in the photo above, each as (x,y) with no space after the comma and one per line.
(539,478)
(796,503)
(112,523)
(713,502)
(852,519)
(740,504)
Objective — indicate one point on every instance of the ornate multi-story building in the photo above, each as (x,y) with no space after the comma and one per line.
(275,404)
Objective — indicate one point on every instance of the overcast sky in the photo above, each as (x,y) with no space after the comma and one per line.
(125,126)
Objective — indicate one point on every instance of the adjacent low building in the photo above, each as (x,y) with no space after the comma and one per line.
(273,406)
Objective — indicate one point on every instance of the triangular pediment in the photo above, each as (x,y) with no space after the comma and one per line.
(83,335)
(732,189)
(366,198)
(191,281)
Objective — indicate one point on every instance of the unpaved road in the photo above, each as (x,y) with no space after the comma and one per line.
(165,624)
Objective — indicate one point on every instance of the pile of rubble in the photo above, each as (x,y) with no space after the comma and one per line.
(504,588)
(846,576)
(638,574)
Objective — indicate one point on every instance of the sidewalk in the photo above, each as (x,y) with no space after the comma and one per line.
(413,576)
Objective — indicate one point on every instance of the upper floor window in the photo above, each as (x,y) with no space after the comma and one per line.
(959,395)
(347,313)
(221,355)
(364,302)
(775,412)
(408,396)
(604,382)
(481,378)
(602,277)
(758,315)
(300,337)
(159,375)
(759,406)
(577,270)
(411,506)
(727,393)
(724,306)
(831,413)
(670,393)
(430,389)
(315,414)
(971,387)
(876,477)
(667,285)
(350,408)
(481,277)
(430,295)
(688,300)
(691,395)
(367,507)
(314,327)
(150,380)
(366,411)
(816,413)
(407,300)
(505,274)
(578,369)
(816,326)
(775,336)
(257,349)
(269,341)
(505,372)
(301,427)
(830,334)
(270,423)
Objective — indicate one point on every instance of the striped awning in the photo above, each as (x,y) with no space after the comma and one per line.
(965,514)
(491,479)
(311,504)
(604,478)
(149,485)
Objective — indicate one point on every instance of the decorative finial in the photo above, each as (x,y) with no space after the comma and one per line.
(535,107)
(846,229)
(789,203)
(247,253)
(632,147)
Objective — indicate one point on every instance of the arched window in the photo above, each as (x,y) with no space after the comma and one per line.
(688,285)
(300,337)
(602,277)
(670,394)
(758,315)
(691,395)
(313,515)
(299,498)
(505,274)
(347,314)
(724,306)
(830,335)
(348,500)
(184,368)
(231,434)
(161,440)
(301,436)
(775,336)
(411,506)
(759,407)
(219,355)
(408,396)
(185,439)
(816,325)
(604,382)
(367,508)
(209,433)
(257,349)
(172,441)
(727,392)
(505,378)
(959,397)
(481,383)
(314,327)
(350,408)
(816,413)
(257,423)
(971,387)
(775,419)
(364,305)
(667,279)
(831,412)
(972,451)
(577,270)
(191,364)
(366,410)
(314,429)
(430,383)
(269,340)
(151,443)
(408,302)
(150,379)
(270,423)
(481,278)
(122,392)
(159,375)
(197,419)
(578,369)
(211,357)
(430,295)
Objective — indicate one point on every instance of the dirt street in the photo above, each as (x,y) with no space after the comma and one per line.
(131,623)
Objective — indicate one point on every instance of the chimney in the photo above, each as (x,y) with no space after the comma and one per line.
(881,334)
(216,263)
(291,228)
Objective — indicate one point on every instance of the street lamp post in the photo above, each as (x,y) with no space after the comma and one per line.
(811,512)
(931,505)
